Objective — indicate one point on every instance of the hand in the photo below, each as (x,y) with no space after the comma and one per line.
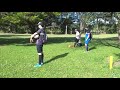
(31,40)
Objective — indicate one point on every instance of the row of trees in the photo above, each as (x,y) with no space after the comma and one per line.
(100,22)
(26,22)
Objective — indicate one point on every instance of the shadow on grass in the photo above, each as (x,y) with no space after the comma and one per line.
(118,55)
(60,39)
(91,48)
(25,41)
(56,57)
(113,42)
(17,41)
(21,41)
(12,35)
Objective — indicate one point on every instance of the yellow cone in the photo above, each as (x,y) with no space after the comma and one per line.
(69,45)
(111,62)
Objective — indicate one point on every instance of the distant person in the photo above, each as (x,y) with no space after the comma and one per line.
(88,37)
(77,38)
(39,42)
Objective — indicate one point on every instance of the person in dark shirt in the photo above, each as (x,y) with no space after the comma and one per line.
(39,42)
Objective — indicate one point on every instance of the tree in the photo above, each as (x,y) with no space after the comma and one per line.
(117,15)
(65,22)
(24,22)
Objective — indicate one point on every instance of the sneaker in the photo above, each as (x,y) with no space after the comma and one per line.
(37,65)
(41,63)
(86,51)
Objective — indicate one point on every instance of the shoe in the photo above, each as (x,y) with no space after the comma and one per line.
(37,65)
(41,63)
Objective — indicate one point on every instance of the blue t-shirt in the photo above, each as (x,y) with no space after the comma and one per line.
(42,38)
(86,36)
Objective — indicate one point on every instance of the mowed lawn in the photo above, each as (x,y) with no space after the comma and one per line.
(18,57)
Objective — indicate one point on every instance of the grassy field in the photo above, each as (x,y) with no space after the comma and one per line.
(18,57)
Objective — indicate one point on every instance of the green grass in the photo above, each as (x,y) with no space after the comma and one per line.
(18,57)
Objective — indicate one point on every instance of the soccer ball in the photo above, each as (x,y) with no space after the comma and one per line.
(36,36)
(70,46)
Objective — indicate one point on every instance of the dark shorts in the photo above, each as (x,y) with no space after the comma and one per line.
(76,40)
(39,48)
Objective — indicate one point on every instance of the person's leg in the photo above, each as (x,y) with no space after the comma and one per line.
(40,53)
(86,45)
(40,58)
(79,42)
(76,42)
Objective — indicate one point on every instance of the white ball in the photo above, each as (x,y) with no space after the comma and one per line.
(36,36)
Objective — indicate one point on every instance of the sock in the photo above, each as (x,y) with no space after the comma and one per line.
(40,59)
(87,47)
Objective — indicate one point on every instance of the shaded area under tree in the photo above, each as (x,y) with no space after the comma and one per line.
(18,41)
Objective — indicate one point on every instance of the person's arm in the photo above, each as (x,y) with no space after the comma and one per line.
(80,34)
(31,40)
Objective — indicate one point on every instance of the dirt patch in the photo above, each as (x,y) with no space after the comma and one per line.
(117,63)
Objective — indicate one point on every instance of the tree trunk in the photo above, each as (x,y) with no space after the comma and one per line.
(97,27)
(81,23)
(81,26)
(119,35)
(51,30)
(66,29)
(71,32)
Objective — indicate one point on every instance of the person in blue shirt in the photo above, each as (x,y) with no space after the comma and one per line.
(39,42)
(87,38)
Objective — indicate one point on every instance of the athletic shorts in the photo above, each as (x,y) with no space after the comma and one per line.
(76,40)
(39,48)
(86,42)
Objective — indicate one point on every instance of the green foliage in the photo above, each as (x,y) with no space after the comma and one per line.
(21,22)
(26,22)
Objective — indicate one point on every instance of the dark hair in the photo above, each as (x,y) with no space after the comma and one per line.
(78,30)
(87,30)
(41,23)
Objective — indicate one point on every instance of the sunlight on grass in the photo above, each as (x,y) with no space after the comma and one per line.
(18,57)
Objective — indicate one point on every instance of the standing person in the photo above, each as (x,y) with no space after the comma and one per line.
(39,43)
(87,38)
(77,38)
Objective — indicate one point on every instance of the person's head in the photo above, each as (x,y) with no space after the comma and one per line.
(86,28)
(75,30)
(40,25)
(89,26)
(87,31)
